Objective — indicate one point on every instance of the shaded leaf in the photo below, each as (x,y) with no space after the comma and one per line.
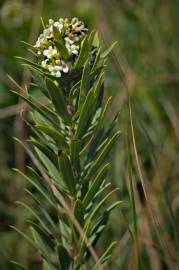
(67,172)
(64,258)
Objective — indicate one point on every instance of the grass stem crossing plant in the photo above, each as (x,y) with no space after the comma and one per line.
(69,147)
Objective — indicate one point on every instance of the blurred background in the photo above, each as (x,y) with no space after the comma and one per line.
(143,64)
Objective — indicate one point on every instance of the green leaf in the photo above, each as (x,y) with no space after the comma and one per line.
(32,64)
(45,149)
(59,43)
(56,136)
(43,211)
(67,173)
(97,59)
(96,40)
(41,109)
(98,84)
(74,154)
(102,155)
(48,266)
(93,189)
(84,50)
(58,99)
(57,34)
(19,265)
(82,243)
(48,239)
(35,214)
(62,49)
(105,53)
(29,240)
(64,258)
(85,114)
(39,80)
(106,255)
(99,205)
(40,244)
(79,212)
(38,186)
(85,83)
(96,231)
(52,170)
(103,113)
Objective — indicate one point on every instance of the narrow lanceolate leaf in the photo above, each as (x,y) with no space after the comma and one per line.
(82,242)
(67,172)
(94,188)
(101,223)
(39,187)
(54,134)
(85,114)
(85,84)
(62,49)
(99,205)
(102,155)
(39,80)
(46,150)
(32,64)
(50,167)
(86,46)
(28,239)
(58,100)
(105,54)
(84,51)
(48,266)
(106,255)
(96,40)
(40,244)
(74,153)
(35,214)
(64,258)
(20,266)
(99,84)
(79,212)
(41,109)
(97,58)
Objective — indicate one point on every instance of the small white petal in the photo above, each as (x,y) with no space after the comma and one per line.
(58,74)
(45,52)
(50,68)
(75,52)
(73,47)
(51,21)
(65,69)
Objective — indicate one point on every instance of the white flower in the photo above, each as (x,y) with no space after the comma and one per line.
(72,48)
(50,52)
(65,69)
(58,74)
(55,70)
(75,52)
(64,66)
(58,25)
(44,63)
(68,40)
(50,21)
(51,58)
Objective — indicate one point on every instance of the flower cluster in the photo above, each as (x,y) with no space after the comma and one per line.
(71,33)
